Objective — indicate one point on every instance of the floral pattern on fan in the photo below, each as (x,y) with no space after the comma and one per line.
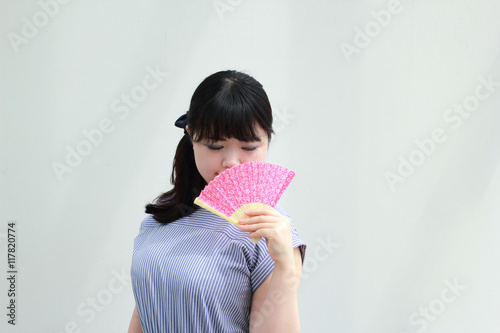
(243,187)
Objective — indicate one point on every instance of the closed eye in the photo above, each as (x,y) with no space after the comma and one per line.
(212,147)
(249,148)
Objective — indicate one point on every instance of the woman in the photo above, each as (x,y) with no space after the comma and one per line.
(191,270)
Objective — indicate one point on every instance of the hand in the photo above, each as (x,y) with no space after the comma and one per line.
(275,228)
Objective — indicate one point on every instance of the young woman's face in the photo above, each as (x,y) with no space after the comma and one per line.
(213,158)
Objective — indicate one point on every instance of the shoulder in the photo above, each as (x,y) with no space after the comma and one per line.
(280,210)
(201,221)
(148,222)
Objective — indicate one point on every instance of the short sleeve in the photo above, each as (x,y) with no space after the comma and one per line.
(263,264)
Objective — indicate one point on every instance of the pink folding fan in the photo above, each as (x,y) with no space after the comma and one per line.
(244,187)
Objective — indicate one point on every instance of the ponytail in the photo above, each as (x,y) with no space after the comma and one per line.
(188,183)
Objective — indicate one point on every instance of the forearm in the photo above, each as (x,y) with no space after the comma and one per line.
(279,311)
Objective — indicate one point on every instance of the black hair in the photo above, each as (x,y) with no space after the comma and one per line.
(222,107)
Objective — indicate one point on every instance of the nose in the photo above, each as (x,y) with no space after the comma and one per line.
(230,160)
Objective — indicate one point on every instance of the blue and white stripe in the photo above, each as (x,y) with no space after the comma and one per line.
(198,274)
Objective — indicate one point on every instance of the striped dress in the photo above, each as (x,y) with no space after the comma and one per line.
(198,274)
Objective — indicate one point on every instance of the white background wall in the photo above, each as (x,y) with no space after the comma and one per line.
(351,98)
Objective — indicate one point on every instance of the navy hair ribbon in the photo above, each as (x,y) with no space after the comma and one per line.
(181,122)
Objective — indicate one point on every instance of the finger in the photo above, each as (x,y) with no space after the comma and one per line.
(259,219)
(269,229)
(262,211)
(268,233)
(254,227)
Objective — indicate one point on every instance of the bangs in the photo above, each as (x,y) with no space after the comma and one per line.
(224,124)
(232,113)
